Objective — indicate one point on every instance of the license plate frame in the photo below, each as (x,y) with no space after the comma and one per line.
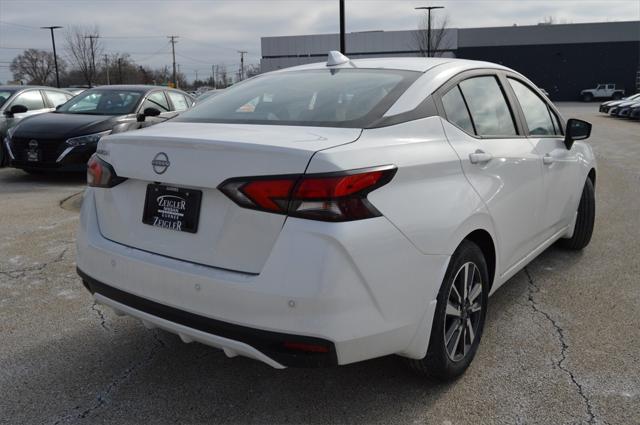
(172,208)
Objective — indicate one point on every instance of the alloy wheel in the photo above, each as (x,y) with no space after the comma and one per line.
(463,311)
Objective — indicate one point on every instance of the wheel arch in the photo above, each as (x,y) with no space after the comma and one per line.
(485,242)
(592,176)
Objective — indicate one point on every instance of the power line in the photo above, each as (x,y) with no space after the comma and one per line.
(193,59)
(19,25)
(132,36)
(161,50)
(217,46)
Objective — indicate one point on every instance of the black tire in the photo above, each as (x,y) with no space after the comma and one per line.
(617,96)
(438,363)
(4,155)
(587,97)
(585,220)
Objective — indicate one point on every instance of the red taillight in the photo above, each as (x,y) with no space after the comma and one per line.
(101,174)
(272,195)
(328,197)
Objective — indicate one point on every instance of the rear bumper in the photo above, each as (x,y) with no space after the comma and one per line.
(363,290)
(265,346)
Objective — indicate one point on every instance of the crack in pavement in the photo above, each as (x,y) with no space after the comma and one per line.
(16,273)
(103,319)
(564,345)
(102,398)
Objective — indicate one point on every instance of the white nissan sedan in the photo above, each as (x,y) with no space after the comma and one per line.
(335,212)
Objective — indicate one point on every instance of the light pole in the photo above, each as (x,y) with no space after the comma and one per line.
(343,47)
(55,56)
(429,9)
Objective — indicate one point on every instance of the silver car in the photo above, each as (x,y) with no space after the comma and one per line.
(18,102)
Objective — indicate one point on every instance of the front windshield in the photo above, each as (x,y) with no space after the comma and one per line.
(330,98)
(4,96)
(103,102)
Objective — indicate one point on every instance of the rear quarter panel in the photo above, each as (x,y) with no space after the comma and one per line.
(429,200)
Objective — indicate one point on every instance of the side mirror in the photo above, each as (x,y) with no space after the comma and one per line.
(576,130)
(15,109)
(148,112)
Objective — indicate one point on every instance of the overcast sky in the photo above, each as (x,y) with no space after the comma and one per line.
(213,31)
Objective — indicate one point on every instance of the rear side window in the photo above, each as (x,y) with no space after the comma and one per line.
(56,98)
(31,99)
(179,101)
(456,110)
(536,112)
(488,106)
(156,100)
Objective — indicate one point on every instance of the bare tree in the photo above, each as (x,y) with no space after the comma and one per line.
(84,49)
(252,70)
(439,27)
(36,66)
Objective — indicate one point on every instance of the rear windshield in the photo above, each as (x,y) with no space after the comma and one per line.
(329,98)
(102,102)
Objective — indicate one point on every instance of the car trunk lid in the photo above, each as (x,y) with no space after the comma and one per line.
(198,157)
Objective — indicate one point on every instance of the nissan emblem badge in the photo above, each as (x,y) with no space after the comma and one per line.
(160,163)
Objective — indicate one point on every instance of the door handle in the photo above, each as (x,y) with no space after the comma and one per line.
(548,159)
(480,156)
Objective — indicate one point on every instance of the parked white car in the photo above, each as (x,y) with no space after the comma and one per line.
(335,212)
(608,90)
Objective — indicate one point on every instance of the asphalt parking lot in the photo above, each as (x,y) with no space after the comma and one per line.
(560,344)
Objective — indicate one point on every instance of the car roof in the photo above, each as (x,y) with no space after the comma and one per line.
(137,87)
(416,64)
(23,87)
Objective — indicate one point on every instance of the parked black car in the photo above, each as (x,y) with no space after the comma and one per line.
(65,139)
(19,102)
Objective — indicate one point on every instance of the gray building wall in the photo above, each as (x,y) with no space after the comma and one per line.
(561,58)
(286,51)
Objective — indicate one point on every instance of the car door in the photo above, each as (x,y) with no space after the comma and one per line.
(600,91)
(499,162)
(559,165)
(610,89)
(32,100)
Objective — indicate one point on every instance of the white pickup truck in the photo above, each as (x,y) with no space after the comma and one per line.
(602,91)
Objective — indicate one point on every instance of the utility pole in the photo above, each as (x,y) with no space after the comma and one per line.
(173,42)
(429,9)
(343,47)
(55,56)
(93,55)
(120,70)
(196,76)
(213,75)
(242,53)
(106,67)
